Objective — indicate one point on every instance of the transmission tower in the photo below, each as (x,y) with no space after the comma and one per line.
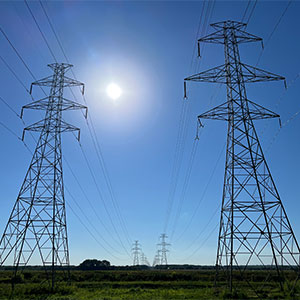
(144,260)
(163,249)
(37,224)
(254,227)
(136,253)
(157,259)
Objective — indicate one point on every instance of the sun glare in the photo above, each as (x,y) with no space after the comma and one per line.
(113,91)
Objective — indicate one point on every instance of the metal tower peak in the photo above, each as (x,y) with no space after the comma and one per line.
(229,24)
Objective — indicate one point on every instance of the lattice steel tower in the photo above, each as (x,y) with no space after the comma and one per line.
(37,224)
(254,227)
(157,258)
(163,250)
(136,253)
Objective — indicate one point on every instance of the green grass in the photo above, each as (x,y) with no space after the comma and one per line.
(140,285)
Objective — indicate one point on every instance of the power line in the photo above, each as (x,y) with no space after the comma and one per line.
(14,74)
(202,196)
(17,53)
(245,12)
(251,13)
(54,32)
(107,180)
(179,149)
(183,124)
(87,229)
(101,197)
(93,226)
(185,183)
(279,130)
(90,203)
(9,107)
(197,35)
(203,229)
(95,141)
(207,20)
(274,29)
(203,243)
(42,34)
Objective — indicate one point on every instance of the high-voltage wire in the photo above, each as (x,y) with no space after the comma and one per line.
(90,204)
(273,31)
(95,229)
(95,141)
(251,13)
(202,244)
(197,34)
(246,9)
(17,53)
(291,118)
(188,175)
(101,198)
(41,32)
(207,20)
(178,156)
(102,164)
(195,210)
(184,122)
(14,74)
(185,184)
(203,229)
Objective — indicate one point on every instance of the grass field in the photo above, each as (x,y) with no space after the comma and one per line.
(158,284)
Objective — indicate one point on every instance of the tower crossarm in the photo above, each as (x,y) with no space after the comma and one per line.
(65,104)
(218,37)
(67,82)
(223,113)
(40,126)
(219,74)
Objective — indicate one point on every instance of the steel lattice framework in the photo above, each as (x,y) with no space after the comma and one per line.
(37,224)
(136,253)
(254,227)
(163,250)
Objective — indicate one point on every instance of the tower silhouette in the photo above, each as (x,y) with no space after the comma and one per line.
(144,260)
(136,253)
(163,250)
(37,224)
(157,258)
(254,227)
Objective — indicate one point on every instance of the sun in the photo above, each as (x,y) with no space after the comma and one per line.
(113,91)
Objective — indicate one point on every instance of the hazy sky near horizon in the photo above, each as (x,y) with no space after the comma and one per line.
(146,47)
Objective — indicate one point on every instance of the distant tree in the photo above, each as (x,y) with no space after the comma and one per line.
(94,264)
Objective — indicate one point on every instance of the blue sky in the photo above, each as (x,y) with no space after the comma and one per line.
(146,47)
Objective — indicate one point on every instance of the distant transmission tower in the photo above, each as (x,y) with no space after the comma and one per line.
(163,249)
(136,253)
(37,224)
(254,227)
(157,259)
(144,260)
